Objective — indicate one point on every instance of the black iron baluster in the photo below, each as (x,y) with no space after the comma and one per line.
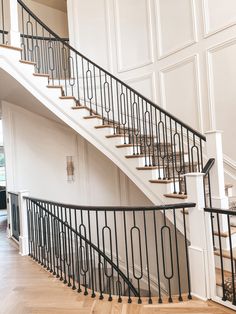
(126,254)
(186,255)
(233,275)
(177,256)
(157,257)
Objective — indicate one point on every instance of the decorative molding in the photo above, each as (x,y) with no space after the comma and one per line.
(10,153)
(230,162)
(73,23)
(121,68)
(108,34)
(82,172)
(206,21)
(192,59)
(210,78)
(142,78)
(160,52)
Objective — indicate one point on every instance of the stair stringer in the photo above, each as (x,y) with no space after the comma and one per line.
(37,87)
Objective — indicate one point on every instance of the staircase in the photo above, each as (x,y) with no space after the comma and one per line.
(151,146)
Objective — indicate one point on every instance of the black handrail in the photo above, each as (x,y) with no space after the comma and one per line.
(220,211)
(102,254)
(82,246)
(208,166)
(207,190)
(43,38)
(111,75)
(115,208)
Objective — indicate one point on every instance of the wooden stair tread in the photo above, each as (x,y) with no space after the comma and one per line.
(219,278)
(10,47)
(135,156)
(27,62)
(164,181)
(79,107)
(147,168)
(92,117)
(68,97)
(127,145)
(225,234)
(55,86)
(179,196)
(226,253)
(41,74)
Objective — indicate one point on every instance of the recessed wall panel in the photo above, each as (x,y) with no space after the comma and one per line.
(180,91)
(223,93)
(133,34)
(219,14)
(92,31)
(175,25)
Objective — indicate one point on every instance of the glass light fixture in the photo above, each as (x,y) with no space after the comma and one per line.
(70,168)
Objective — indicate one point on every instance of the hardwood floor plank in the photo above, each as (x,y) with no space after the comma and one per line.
(27,288)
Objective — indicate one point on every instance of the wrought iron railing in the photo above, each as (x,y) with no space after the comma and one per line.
(15,215)
(165,143)
(3,24)
(123,251)
(225,254)
(207,191)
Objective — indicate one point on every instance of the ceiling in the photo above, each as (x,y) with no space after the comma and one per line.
(56,4)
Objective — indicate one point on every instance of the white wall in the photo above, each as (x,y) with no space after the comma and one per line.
(36,150)
(180,54)
(55,19)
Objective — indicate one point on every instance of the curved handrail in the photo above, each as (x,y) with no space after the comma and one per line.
(126,237)
(101,253)
(115,208)
(201,136)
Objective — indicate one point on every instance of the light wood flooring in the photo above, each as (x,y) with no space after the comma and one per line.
(26,288)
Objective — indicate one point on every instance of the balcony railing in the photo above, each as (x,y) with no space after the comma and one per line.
(3,22)
(123,251)
(224,237)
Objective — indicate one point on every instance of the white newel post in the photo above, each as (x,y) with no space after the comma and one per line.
(214,150)
(23,239)
(14,34)
(201,257)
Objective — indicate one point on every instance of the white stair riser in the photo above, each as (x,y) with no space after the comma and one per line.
(131,150)
(114,141)
(67,104)
(225,243)
(27,68)
(171,187)
(226,263)
(54,93)
(94,122)
(10,54)
(151,174)
(219,291)
(105,131)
